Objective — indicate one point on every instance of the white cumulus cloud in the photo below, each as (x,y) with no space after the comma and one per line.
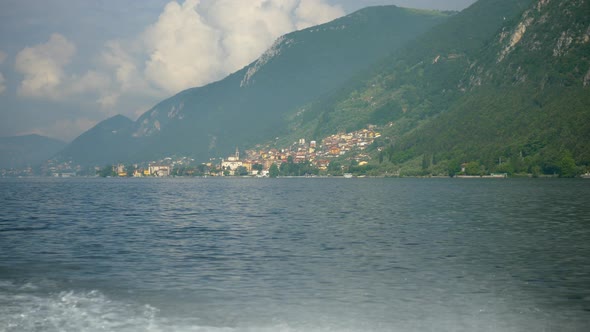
(200,41)
(124,62)
(3,57)
(313,12)
(192,43)
(181,48)
(43,67)
(2,83)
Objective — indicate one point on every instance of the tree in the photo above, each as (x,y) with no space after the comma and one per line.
(473,168)
(241,171)
(258,167)
(203,169)
(335,168)
(273,172)
(129,169)
(107,171)
(284,169)
(567,166)
(426,161)
(454,167)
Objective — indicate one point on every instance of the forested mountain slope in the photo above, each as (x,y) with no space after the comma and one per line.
(504,85)
(527,98)
(249,106)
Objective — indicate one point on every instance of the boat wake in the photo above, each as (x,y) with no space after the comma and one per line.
(25,308)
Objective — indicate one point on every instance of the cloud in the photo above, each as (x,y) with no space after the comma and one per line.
(124,63)
(201,41)
(109,101)
(43,67)
(92,81)
(64,129)
(313,12)
(192,43)
(3,57)
(2,83)
(181,48)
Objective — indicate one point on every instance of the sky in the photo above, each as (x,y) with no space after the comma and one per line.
(66,65)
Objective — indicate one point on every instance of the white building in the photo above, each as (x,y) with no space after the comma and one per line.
(232,163)
(159,170)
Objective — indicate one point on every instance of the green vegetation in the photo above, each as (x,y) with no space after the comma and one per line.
(198,170)
(290,168)
(107,142)
(458,103)
(106,171)
(273,172)
(241,171)
(251,105)
(502,87)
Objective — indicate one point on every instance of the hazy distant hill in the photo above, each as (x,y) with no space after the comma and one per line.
(27,151)
(250,105)
(504,85)
(107,142)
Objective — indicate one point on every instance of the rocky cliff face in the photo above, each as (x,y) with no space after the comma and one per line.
(524,98)
(548,44)
(502,79)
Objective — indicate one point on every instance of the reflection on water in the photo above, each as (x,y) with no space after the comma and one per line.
(294,255)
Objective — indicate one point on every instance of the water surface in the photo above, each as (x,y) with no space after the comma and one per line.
(294,255)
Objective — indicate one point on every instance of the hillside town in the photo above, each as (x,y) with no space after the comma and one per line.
(315,156)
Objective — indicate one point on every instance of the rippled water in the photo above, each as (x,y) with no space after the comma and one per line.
(294,255)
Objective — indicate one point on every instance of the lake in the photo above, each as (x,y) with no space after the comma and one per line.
(222,254)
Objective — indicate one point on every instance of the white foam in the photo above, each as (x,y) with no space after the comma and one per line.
(93,311)
(25,308)
(29,286)
(71,311)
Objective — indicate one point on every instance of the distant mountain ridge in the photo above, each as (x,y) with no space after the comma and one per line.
(251,105)
(27,150)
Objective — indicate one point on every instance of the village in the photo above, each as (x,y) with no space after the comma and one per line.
(259,162)
(301,158)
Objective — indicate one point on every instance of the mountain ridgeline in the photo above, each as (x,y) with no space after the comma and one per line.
(27,151)
(250,106)
(503,86)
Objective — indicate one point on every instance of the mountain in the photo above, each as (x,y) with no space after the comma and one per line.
(504,86)
(107,142)
(417,81)
(527,98)
(252,105)
(27,151)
